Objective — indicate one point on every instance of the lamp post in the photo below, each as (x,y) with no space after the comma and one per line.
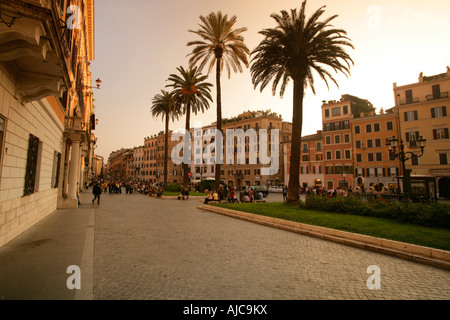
(393,144)
(98,82)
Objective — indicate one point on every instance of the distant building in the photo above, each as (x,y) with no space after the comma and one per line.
(422,109)
(373,165)
(337,139)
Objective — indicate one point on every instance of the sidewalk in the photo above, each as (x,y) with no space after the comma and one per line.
(34,265)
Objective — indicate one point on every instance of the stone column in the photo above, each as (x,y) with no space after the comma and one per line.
(73,169)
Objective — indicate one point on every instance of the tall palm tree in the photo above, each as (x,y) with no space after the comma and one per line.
(192,91)
(164,105)
(221,46)
(293,50)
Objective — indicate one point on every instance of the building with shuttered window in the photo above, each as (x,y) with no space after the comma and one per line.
(422,109)
(46,121)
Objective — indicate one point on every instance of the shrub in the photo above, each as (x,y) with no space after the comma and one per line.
(173,187)
(432,215)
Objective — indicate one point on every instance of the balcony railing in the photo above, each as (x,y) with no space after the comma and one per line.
(74,123)
(413,100)
(441,95)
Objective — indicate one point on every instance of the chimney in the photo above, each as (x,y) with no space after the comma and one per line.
(421,77)
(381,111)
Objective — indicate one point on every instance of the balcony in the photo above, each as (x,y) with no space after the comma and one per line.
(441,95)
(30,45)
(409,101)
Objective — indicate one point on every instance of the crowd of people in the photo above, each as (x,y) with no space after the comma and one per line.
(130,187)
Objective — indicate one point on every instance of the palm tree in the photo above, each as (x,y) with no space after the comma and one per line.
(165,106)
(192,91)
(221,46)
(293,50)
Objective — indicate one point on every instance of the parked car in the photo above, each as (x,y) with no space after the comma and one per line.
(275,189)
(263,189)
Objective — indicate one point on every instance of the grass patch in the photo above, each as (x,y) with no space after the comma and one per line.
(176,193)
(438,238)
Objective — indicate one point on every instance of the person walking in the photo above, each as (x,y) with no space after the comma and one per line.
(97,191)
(285,192)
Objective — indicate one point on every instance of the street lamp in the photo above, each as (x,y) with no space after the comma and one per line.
(98,82)
(393,144)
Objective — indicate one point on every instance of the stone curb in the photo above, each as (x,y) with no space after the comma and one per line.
(431,256)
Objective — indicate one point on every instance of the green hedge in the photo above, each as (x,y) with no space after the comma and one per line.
(173,187)
(429,215)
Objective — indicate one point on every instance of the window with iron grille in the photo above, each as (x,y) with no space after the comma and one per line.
(32,159)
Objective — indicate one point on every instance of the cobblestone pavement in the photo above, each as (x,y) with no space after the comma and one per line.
(147,248)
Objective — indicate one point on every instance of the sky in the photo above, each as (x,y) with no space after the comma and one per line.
(139,43)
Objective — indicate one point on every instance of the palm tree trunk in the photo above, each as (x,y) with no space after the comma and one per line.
(219,126)
(187,142)
(297,120)
(166,149)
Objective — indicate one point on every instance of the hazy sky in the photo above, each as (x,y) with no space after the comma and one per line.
(139,43)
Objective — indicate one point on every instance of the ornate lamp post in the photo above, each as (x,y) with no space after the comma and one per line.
(397,150)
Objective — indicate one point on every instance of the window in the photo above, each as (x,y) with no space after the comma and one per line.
(305,147)
(378,142)
(414,160)
(346,124)
(31,168)
(327,127)
(348,154)
(411,137)
(409,96)
(369,143)
(305,157)
(357,130)
(390,125)
(56,166)
(346,138)
(370,157)
(358,144)
(336,111)
(338,154)
(337,125)
(328,139)
(319,146)
(410,115)
(443,158)
(358,157)
(329,170)
(318,156)
(441,133)
(327,112)
(438,112)
(379,156)
(328,155)
(345,109)
(376,127)
(337,139)
(368,128)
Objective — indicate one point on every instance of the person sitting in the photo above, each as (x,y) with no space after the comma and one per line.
(259,196)
(209,198)
(185,194)
(215,196)
(246,198)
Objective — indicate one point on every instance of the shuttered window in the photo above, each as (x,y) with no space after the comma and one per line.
(32,159)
